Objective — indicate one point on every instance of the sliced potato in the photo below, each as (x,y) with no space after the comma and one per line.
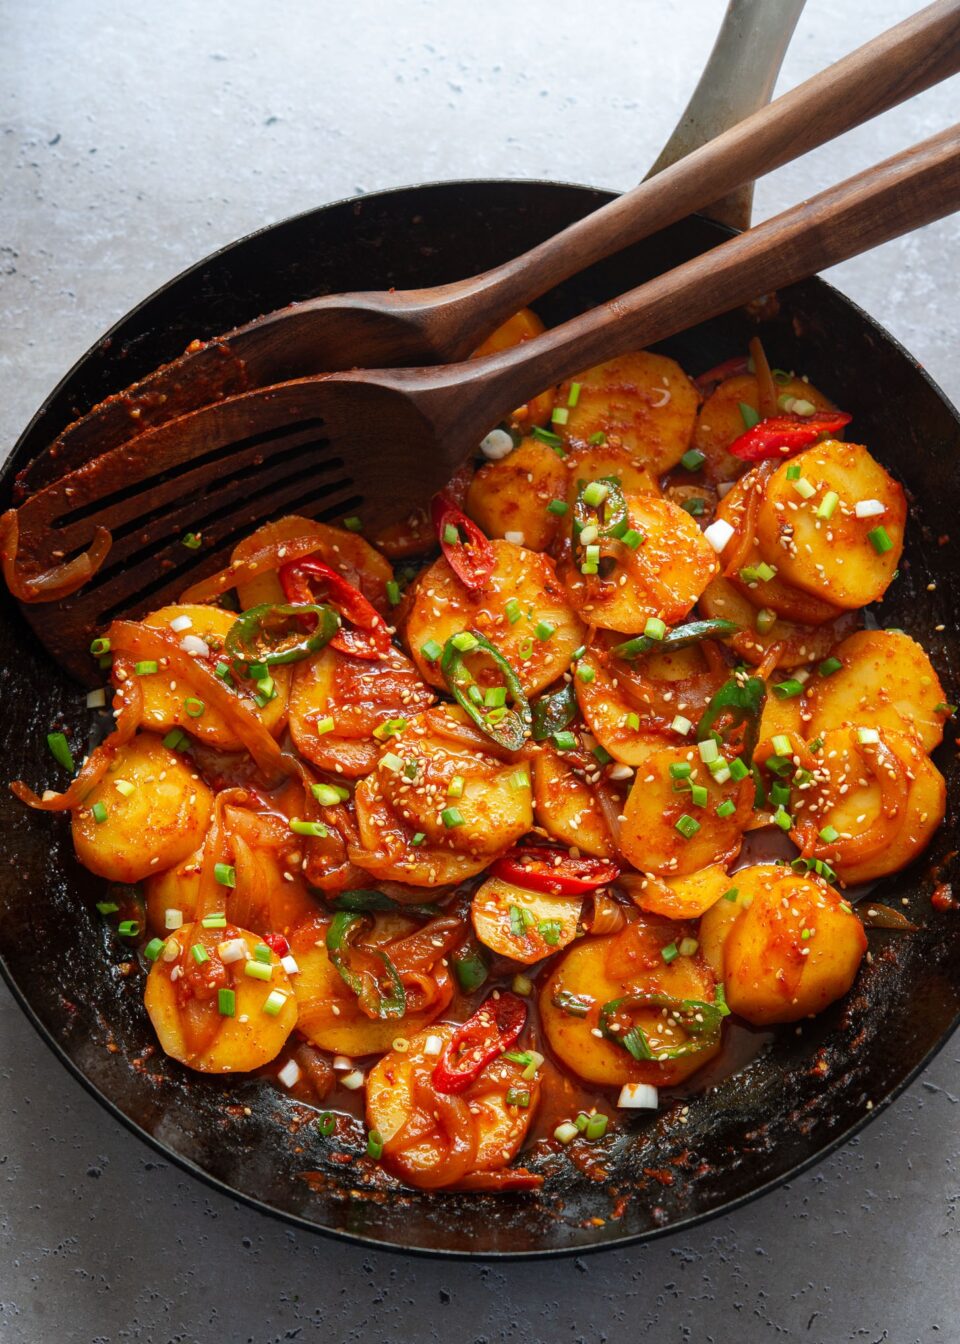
(433,1139)
(720,420)
(346,552)
(783,716)
(492,807)
(167,703)
(183,1000)
(643,401)
(649,838)
(510,497)
(717,921)
(443,606)
(833,559)
(794,947)
(567,807)
(846,795)
(886,681)
(678,897)
(157,810)
(626,725)
(176,889)
(593,461)
(329,1012)
(358,695)
(799,644)
(662,577)
(791,603)
(600,970)
(521,924)
(523,326)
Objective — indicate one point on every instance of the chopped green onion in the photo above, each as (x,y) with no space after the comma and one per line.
(550,931)
(274,1002)
(670,952)
(632,538)
(146,667)
(225,874)
(326,1124)
(558,507)
(107,907)
(258,970)
(868,736)
(222,670)
(687,826)
(708,749)
(596,1127)
(153,949)
(730,894)
(828,504)
(585,673)
(786,690)
(431,650)
(680,724)
(694,506)
(124,788)
(680,769)
(783,819)
(60,750)
(780,794)
(573,396)
(547,436)
(512,608)
(749,416)
(227,1002)
(564,741)
(829,834)
(464,641)
(688,947)
(633,722)
(393,592)
(375,1144)
(199,953)
(726,808)
(522,985)
(455,787)
(594,493)
(693,459)
(329,794)
(326,725)
(803,488)
(781,745)
(99,813)
(353,523)
(655,628)
(596,440)
(192,541)
(99,647)
(216,921)
(880,540)
(943,708)
(829,666)
(698,795)
(451,535)
(602,755)
(451,817)
(566,1132)
(766,619)
(470,970)
(738,769)
(313,828)
(793,471)
(544,630)
(193,706)
(559,415)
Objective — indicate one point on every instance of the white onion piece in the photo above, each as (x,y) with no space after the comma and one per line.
(173,919)
(194,644)
(352,1080)
(342,1062)
(289,965)
(718,534)
(181,623)
(515,538)
(498,444)
(620,772)
(724,488)
(290,1073)
(869,508)
(638,1097)
(234,949)
(433,1045)
(96,699)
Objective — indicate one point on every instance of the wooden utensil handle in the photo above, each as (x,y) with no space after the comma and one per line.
(911,57)
(902,193)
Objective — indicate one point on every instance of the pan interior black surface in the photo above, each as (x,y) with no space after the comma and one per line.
(791,1104)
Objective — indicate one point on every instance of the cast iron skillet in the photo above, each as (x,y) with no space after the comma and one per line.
(793,1103)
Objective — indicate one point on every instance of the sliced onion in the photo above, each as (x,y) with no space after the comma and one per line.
(638,1097)
(194,644)
(289,1075)
(56,582)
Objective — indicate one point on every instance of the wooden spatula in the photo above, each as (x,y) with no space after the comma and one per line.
(412,327)
(377,443)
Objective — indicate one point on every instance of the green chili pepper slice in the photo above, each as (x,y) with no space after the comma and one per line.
(272,633)
(610,516)
(699,1019)
(361,901)
(364,980)
(508,726)
(680,637)
(736,703)
(552,713)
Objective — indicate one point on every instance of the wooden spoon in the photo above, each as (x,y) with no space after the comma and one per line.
(376,443)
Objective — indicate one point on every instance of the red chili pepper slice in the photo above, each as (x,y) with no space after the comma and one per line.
(553,871)
(369,638)
(492,1029)
(711,380)
(277,943)
(470,556)
(781,436)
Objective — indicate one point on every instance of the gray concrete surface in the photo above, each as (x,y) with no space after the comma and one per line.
(133,140)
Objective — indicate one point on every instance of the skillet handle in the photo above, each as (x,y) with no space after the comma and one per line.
(738,79)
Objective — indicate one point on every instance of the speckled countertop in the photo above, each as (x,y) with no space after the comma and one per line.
(135,139)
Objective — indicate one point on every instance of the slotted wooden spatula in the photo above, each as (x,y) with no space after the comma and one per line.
(377,443)
(413,327)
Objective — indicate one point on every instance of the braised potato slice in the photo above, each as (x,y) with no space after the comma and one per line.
(176,889)
(649,838)
(717,921)
(643,401)
(791,603)
(183,999)
(783,716)
(721,421)
(678,897)
(799,644)
(432,1139)
(523,326)
(662,577)
(567,807)
(443,606)
(625,723)
(521,924)
(358,695)
(848,795)
(346,552)
(329,1012)
(510,497)
(593,461)
(833,559)
(597,971)
(886,681)
(794,947)
(168,703)
(157,812)
(459,835)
